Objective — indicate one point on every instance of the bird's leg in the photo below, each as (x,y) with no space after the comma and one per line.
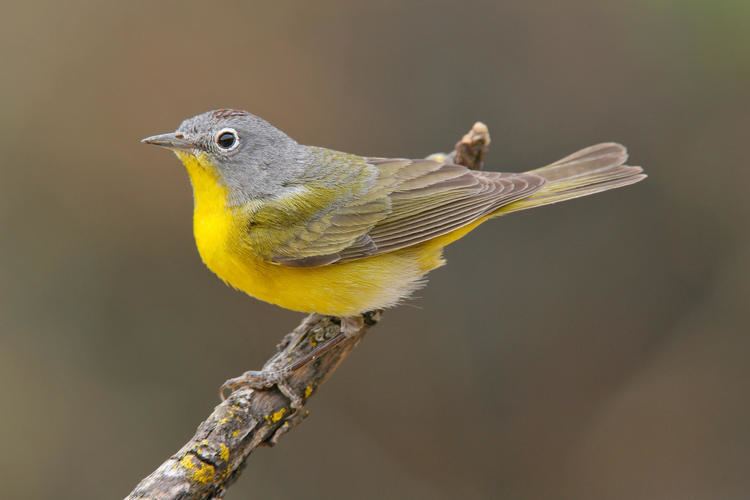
(267,378)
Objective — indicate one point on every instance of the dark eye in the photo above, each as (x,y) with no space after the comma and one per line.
(227,139)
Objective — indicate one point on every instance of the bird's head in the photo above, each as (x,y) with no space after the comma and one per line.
(246,154)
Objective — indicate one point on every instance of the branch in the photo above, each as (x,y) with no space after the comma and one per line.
(472,148)
(215,456)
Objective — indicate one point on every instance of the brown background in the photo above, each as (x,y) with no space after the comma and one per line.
(594,350)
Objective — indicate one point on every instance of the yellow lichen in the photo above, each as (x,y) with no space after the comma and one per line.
(224,452)
(229,416)
(276,416)
(235,433)
(187,462)
(308,391)
(203,474)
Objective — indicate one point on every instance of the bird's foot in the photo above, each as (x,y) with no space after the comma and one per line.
(262,380)
(265,379)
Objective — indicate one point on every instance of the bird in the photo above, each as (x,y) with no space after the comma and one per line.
(320,231)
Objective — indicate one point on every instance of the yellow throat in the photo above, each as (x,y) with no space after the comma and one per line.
(214,223)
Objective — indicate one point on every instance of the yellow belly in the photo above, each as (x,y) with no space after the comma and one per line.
(343,289)
(340,289)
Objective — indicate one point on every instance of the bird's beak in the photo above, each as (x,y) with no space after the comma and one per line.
(173,140)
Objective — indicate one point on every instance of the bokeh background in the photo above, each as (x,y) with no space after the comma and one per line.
(594,350)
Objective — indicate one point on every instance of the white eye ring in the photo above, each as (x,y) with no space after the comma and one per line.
(223,137)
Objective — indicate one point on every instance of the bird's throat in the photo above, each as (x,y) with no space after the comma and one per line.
(213,221)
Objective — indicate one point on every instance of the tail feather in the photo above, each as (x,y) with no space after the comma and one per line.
(591,170)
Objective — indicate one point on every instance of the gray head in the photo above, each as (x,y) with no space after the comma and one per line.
(253,158)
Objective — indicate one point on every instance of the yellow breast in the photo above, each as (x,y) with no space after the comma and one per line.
(340,290)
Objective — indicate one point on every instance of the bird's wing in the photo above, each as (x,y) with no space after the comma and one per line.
(409,202)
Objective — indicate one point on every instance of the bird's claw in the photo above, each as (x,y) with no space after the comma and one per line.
(262,381)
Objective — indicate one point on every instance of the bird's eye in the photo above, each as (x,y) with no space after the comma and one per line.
(227,139)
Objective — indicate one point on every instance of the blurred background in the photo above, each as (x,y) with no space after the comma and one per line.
(592,350)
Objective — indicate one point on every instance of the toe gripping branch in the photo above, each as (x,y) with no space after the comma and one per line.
(302,361)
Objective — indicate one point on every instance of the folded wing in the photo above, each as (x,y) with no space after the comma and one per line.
(409,202)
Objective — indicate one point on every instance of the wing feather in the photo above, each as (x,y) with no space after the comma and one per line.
(409,202)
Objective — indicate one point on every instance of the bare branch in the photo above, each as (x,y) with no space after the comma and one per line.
(215,456)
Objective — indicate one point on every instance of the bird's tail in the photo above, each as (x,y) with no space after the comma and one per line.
(588,171)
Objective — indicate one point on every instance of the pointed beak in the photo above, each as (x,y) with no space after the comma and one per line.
(173,140)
